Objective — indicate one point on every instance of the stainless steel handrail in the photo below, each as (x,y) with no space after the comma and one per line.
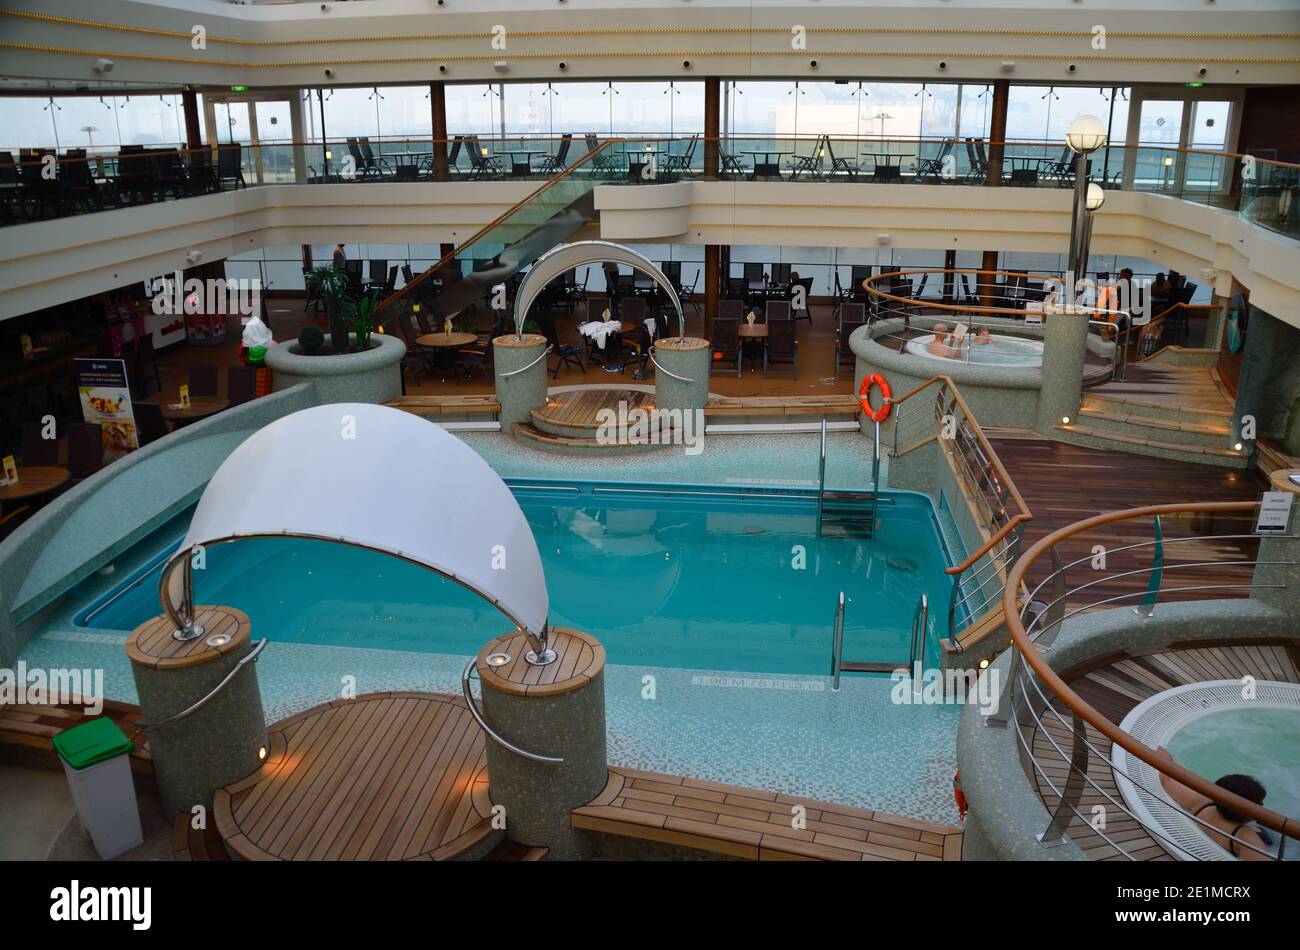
(488,731)
(515,372)
(660,368)
(821,479)
(140,579)
(837,645)
(251,657)
(920,623)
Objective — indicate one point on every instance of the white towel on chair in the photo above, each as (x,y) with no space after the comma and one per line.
(651,326)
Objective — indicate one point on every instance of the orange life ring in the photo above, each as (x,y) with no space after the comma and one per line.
(959,796)
(864,395)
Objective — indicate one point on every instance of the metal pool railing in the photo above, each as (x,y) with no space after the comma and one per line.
(1037,700)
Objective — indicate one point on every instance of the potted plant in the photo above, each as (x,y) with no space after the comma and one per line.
(331,286)
(364,323)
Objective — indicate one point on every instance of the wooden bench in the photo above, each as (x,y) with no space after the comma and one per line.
(447,405)
(32,727)
(758,825)
(783,406)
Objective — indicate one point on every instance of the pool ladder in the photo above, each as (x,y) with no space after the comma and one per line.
(848,513)
(916,651)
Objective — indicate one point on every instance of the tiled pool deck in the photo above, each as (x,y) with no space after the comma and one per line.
(785,733)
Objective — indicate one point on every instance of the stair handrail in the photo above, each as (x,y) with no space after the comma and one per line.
(448,258)
(515,372)
(1025,652)
(837,644)
(249,657)
(920,622)
(488,731)
(821,479)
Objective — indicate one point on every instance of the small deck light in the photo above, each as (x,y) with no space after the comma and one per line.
(261,753)
(218,640)
(984,663)
(497,659)
(1238,447)
(1065,420)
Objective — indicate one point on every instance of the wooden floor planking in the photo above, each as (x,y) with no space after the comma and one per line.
(1114,685)
(386,776)
(1164,384)
(755,824)
(1063,484)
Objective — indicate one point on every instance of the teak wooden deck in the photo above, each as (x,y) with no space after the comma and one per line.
(385,776)
(32,727)
(1165,384)
(1114,685)
(754,824)
(583,408)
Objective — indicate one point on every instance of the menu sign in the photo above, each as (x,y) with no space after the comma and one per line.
(106,398)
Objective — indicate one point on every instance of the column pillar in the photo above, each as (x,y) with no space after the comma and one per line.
(438,110)
(949,265)
(1065,344)
(688,358)
(1218,321)
(221,742)
(522,392)
(712,281)
(1287,597)
(712,126)
(193,129)
(993,177)
(557,711)
(987,278)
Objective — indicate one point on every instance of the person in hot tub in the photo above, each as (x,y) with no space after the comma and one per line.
(939,344)
(1222,821)
(983,337)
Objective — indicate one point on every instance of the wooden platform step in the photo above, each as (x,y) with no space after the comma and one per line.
(783,406)
(1186,451)
(446,405)
(190,844)
(513,851)
(1192,426)
(585,410)
(582,444)
(758,825)
(31,727)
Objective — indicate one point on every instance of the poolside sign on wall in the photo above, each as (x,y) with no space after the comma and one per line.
(1274,512)
(105,395)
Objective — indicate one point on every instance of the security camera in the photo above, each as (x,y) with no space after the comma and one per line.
(442,68)
(686,64)
(193,257)
(1073,67)
(563,66)
(943,64)
(103,65)
(812,64)
(324,8)
(329,73)
(1202,71)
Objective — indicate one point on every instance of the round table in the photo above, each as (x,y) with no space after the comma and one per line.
(34,480)
(200,407)
(443,340)
(756,332)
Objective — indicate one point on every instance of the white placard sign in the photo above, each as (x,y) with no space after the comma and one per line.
(1274,512)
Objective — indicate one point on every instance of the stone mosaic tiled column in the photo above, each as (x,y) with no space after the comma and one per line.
(1065,344)
(221,742)
(521,393)
(686,357)
(558,711)
(1283,580)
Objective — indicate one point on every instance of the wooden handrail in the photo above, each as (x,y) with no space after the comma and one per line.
(988,545)
(1022,515)
(448,258)
(1080,707)
(868,286)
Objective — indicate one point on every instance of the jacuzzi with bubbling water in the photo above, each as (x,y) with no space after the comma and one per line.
(1001,350)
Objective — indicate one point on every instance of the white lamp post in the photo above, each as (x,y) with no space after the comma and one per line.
(1086,134)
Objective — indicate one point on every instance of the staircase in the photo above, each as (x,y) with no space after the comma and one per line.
(1172,431)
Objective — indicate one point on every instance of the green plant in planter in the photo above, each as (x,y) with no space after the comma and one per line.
(311,340)
(364,322)
(331,286)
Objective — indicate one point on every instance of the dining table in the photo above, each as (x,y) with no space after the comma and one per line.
(521,160)
(770,166)
(445,343)
(34,481)
(200,407)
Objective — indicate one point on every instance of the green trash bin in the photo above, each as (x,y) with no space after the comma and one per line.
(96,760)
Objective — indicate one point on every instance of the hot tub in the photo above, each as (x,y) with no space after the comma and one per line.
(1002,350)
(1212,730)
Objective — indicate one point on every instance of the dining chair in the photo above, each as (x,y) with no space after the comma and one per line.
(782,348)
(85,448)
(725,347)
(554,164)
(241,384)
(203,379)
(150,423)
(731,309)
(38,450)
(777,310)
(806,312)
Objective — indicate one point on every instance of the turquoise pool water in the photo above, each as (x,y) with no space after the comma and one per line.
(698,577)
(1262,743)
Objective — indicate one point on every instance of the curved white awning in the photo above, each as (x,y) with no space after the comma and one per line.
(383,479)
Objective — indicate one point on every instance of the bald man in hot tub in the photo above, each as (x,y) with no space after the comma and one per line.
(939,343)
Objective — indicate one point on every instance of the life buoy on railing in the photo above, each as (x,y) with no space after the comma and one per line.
(958,795)
(886,394)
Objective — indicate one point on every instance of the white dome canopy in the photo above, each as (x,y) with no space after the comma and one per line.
(383,479)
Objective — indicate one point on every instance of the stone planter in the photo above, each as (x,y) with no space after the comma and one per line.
(372,376)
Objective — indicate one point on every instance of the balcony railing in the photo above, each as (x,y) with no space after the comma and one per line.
(38,187)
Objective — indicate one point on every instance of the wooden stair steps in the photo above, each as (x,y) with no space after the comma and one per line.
(1188,451)
(1214,430)
(446,405)
(190,844)
(509,850)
